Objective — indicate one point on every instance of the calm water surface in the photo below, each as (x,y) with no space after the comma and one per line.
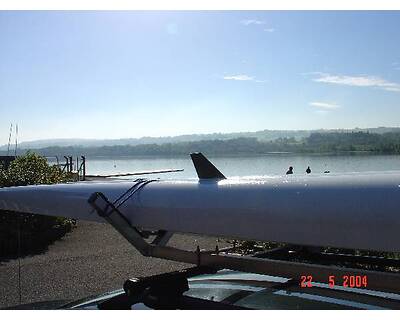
(272,164)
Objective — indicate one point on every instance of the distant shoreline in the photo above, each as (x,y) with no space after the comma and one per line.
(316,143)
(218,155)
(180,156)
(261,135)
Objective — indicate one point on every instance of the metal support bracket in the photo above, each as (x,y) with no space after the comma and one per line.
(111,214)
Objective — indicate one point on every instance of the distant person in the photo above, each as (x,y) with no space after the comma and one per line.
(290,171)
(308,169)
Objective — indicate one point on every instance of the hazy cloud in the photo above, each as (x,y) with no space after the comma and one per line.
(172,28)
(358,81)
(324,105)
(396,65)
(239,77)
(248,22)
(269,29)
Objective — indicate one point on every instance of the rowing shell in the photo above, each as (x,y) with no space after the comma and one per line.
(359,211)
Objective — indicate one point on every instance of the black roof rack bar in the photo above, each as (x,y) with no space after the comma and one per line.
(377,280)
(378,261)
(317,256)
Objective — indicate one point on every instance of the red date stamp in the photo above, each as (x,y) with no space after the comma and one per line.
(350,281)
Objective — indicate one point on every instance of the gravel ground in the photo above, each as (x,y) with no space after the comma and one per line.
(92,259)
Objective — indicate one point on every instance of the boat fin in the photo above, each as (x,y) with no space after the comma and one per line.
(204,168)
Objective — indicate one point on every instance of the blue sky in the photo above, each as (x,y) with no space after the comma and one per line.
(132,74)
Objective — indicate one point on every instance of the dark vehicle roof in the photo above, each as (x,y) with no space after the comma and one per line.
(230,289)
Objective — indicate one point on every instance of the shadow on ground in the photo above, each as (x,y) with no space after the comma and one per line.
(33,244)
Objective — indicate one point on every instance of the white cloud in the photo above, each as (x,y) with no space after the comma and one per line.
(248,22)
(242,77)
(358,81)
(269,29)
(239,77)
(324,105)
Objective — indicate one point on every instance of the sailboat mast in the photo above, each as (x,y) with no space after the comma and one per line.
(9,140)
(16,139)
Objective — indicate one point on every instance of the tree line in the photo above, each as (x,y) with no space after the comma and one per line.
(386,143)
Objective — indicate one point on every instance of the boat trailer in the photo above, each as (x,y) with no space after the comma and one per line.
(268,262)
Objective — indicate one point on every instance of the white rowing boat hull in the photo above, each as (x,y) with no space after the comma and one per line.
(347,211)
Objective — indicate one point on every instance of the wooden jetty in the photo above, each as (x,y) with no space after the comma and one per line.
(134,173)
(78,170)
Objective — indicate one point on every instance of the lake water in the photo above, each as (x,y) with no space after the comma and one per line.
(271,164)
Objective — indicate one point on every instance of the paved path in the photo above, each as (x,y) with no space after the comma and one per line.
(92,259)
